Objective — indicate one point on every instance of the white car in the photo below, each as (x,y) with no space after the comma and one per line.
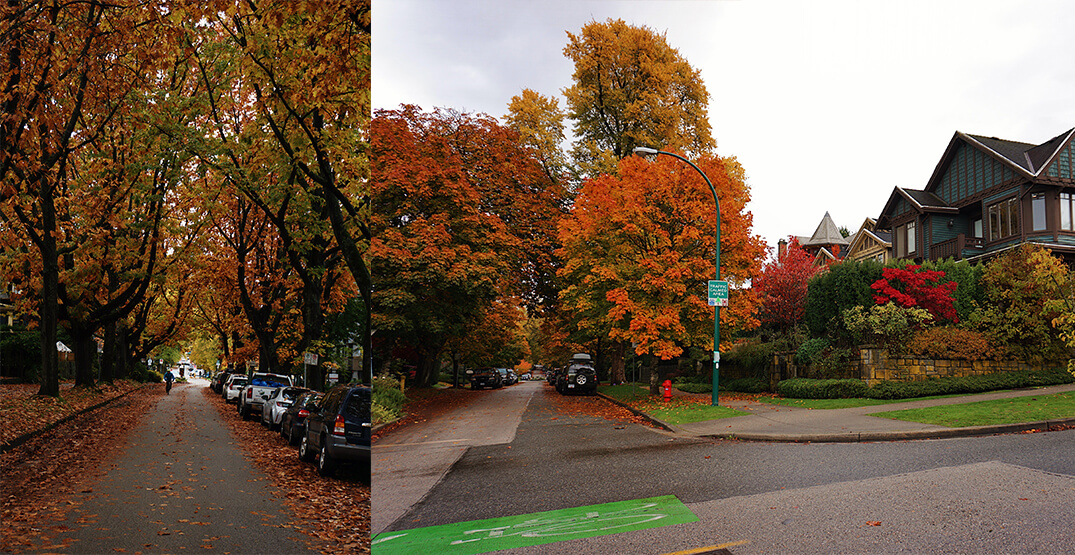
(276,405)
(234,387)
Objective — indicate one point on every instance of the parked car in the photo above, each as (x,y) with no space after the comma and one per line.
(526,376)
(233,388)
(507,376)
(257,390)
(278,402)
(578,377)
(293,421)
(219,380)
(550,376)
(339,430)
(484,377)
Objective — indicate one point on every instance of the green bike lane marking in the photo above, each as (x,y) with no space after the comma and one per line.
(494,534)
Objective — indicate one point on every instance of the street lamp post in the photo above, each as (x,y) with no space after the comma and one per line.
(644,151)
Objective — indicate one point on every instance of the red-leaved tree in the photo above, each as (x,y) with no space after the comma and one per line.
(915,287)
(781,287)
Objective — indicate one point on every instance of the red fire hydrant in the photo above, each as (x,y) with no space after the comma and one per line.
(667,388)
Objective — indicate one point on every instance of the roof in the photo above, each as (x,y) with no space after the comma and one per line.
(826,234)
(1025,158)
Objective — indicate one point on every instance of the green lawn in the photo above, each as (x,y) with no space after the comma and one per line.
(984,413)
(845,403)
(680,410)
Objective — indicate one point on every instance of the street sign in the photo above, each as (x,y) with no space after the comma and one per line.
(310,358)
(718,293)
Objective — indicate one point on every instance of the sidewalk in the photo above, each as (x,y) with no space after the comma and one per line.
(793,424)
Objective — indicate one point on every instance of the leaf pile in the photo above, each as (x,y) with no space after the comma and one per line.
(334,512)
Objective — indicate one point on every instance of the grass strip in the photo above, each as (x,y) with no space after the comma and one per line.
(1032,408)
(679,410)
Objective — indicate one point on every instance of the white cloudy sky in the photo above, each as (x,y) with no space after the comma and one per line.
(827,104)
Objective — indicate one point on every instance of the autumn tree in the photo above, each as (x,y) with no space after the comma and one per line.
(539,121)
(639,250)
(74,74)
(631,88)
(1021,290)
(782,287)
(458,204)
(290,118)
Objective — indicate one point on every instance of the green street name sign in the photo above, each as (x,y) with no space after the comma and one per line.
(718,293)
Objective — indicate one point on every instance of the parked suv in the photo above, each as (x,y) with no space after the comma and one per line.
(485,377)
(339,430)
(578,377)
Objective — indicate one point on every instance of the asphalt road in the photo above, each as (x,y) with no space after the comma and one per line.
(182,485)
(1009,493)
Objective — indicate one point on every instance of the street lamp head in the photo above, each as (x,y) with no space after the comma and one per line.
(645,151)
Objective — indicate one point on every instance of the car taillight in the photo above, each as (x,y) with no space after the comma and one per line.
(338,429)
(303,413)
(249,393)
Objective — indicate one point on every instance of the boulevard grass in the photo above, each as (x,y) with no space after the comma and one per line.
(1016,410)
(679,410)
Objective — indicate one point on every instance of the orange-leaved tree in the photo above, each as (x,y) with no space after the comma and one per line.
(463,214)
(638,250)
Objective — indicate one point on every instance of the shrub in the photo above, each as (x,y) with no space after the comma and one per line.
(380,415)
(969,384)
(810,351)
(833,363)
(953,343)
(694,387)
(752,357)
(805,388)
(889,325)
(387,395)
(745,385)
(829,294)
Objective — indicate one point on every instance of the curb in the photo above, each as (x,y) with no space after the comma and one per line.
(855,437)
(25,437)
(652,420)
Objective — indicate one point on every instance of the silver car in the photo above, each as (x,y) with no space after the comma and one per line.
(277,403)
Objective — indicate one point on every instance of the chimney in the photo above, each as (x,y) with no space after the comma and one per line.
(781,249)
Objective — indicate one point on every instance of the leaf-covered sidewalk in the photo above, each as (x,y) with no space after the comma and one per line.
(22,411)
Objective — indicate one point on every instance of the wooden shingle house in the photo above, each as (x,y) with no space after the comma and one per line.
(985,196)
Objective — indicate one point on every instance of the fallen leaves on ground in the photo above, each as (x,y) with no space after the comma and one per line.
(335,512)
(23,411)
(38,477)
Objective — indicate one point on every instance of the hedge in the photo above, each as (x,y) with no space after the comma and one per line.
(805,388)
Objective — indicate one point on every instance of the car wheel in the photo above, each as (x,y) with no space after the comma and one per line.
(292,439)
(306,454)
(325,465)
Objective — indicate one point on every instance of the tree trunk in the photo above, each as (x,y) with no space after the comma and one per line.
(109,352)
(85,350)
(618,375)
(654,376)
(50,290)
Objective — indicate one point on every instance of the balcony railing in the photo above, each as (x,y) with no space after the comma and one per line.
(953,248)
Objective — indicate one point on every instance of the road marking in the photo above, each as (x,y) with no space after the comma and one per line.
(483,536)
(710,549)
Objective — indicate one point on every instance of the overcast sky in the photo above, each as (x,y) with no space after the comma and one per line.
(828,105)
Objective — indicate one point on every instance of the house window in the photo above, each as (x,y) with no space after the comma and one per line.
(1037,211)
(1003,219)
(905,239)
(976,226)
(1067,211)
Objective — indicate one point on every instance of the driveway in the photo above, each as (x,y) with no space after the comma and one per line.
(408,462)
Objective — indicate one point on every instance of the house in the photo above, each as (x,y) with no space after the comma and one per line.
(985,196)
(827,245)
(870,243)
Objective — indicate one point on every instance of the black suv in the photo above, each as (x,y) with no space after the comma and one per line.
(578,377)
(485,377)
(339,430)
